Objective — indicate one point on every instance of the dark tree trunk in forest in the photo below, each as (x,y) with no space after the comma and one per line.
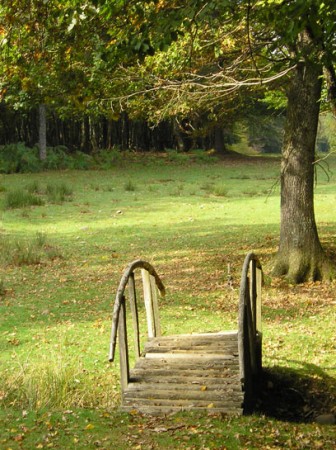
(300,256)
(42,132)
(219,140)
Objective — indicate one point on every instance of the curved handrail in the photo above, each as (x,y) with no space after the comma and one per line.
(249,321)
(120,295)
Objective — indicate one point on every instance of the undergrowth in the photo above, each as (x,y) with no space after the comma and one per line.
(53,382)
(25,252)
(34,194)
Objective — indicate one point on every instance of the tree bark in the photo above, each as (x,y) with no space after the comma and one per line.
(42,132)
(300,256)
(219,140)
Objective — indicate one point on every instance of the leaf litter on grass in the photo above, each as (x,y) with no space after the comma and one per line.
(73,297)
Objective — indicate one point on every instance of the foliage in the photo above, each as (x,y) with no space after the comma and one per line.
(17,158)
(220,190)
(106,159)
(57,158)
(58,193)
(129,186)
(202,156)
(21,199)
(176,157)
(34,195)
(21,252)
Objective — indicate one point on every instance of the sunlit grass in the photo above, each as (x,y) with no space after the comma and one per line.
(55,315)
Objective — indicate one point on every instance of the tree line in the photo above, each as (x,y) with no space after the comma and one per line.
(184,63)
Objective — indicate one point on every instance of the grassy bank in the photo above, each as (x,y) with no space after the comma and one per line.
(61,260)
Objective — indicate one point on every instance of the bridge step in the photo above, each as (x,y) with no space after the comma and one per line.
(187,372)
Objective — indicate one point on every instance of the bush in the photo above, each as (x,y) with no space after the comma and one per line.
(27,252)
(57,158)
(129,186)
(55,381)
(58,193)
(17,158)
(34,187)
(21,199)
(2,288)
(177,157)
(107,159)
(203,156)
(81,161)
(220,190)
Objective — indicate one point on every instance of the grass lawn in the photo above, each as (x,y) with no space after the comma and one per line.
(60,264)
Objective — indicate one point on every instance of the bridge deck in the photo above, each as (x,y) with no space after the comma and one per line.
(182,372)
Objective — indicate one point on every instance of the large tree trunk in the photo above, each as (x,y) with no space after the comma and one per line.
(300,256)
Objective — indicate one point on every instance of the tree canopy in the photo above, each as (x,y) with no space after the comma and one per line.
(206,61)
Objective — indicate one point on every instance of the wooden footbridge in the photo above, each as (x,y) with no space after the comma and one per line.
(215,372)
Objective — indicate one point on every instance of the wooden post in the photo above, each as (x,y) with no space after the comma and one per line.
(258,321)
(135,315)
(148,302)
(253,293)
(258,306)
(123,347)
(155,306)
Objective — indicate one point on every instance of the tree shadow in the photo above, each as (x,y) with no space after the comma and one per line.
(296,395)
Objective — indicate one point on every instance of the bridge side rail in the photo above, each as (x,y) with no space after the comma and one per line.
(151,284)
(249,323)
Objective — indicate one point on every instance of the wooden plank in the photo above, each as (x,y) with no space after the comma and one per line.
(123,347)
(148,302)
(170,409)
(192,403)
(201,356)
(206,389)
(134,312)
(185,380)
(188,364)
(192,352)
(258,308)
(253,293)
(157,344)
(155,306)
(194,336)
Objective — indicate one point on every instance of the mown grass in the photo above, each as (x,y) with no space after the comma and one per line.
(55,313)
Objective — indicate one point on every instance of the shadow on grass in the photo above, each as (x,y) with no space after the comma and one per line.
(296,395)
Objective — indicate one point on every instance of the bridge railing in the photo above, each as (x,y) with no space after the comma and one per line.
(152,284)
(249,323)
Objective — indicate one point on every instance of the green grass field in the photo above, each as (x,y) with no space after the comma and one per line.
(61,260)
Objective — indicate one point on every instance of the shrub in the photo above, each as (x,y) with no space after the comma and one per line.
(34,187)
(129,186)
(19,198)
(2,288)
(177,157)
(107,159)
(81,161)
(203,156)
(58,193)
(55,382)
(57,158)
(220,190)
(27,252)
(15,158)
